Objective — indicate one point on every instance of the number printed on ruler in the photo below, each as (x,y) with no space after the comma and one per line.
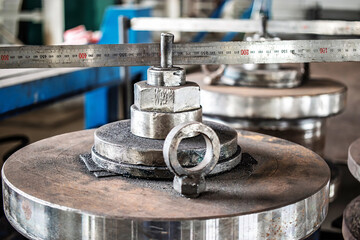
(183,53)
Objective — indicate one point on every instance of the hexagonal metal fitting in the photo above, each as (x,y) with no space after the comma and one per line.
(190,186)
(167,99)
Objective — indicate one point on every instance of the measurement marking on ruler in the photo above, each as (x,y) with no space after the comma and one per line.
(184,53)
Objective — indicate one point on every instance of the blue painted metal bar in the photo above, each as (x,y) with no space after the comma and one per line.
(18,98)
(247,15)
(101,104)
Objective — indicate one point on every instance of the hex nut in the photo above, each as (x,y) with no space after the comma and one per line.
(190,186)
(167,99)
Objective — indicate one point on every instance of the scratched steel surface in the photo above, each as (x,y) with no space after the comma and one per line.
(48,190)
(351,220)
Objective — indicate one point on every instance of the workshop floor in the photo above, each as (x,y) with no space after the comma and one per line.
(67,116)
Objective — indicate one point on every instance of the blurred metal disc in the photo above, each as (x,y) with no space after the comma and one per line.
(354,159)
(314,98)
(238,75)
(49,194)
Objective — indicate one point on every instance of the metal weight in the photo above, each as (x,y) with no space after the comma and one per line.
(190,182)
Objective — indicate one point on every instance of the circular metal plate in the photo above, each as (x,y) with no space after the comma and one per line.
(315,98)
(116,142)
(354,159)
(151,172)
(351,220)
(272,78)
(309,132)
(48,193)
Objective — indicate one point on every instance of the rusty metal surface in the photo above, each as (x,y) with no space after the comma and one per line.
(354,159)
(351,220)
(309,133)
(47,190)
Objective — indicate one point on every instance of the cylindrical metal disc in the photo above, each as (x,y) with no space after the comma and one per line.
(116,142)
(354,159)
(351,220)
(315,98)
(49,194)
(157,125)
(237,75)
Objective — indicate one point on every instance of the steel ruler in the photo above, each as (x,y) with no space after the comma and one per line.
(322,27)
(296,51)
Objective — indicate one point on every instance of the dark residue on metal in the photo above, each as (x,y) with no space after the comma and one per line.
(111,134)
(248,160)
(352,219)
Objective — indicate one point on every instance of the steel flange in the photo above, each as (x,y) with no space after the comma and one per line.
(117,150)
(48,193)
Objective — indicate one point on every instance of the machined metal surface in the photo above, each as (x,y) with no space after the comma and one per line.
(295,51)
(115,141)
(166,99)
(351,220)
(240,25)
(309,133)
(157,125)
(173,76)
(237,75)
(315,98)
(166,42)
(190,182)
(48,193)
(354,159)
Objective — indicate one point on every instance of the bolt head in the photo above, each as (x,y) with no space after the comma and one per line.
(189,186)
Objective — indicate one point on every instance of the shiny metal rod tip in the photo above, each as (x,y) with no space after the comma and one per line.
(166,43)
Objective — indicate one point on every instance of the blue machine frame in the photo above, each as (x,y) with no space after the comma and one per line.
(21,97)
(100,107)
(100,104)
